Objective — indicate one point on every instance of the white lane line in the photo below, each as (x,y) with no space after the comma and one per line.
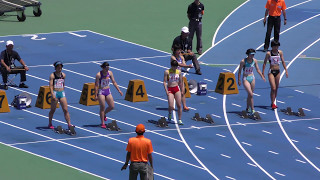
(127,41)
(221,135)
(276,112)
(246,143)
(241,124)
(188,147)
(298,160)
(195,127)
(226,70)
(214,37)
(53,160)
(75,34)
(230,177)
(235,138)
(313,128)
(256,94)
(294,25)
(306,109)
(212,97)
(199,147)
(64,139)
(266,132)
(261,112)
(138,59)
(233,104)
(251,164)
(279,174)
(107,136)
(280,102)
(225,156)
(208,80)
(273,152)
(299,91)
(216,115)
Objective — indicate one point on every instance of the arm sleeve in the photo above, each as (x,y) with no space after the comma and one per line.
(128,146)
(150,148)
(284,7)
(267,5)
(2,55)
(17,56)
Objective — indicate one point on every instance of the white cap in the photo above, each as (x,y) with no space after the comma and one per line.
(9,42)
(185,29)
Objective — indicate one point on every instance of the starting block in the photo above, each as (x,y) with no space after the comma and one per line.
(136,91)
(59,130)
(113,126)
(301,112)
(207,119)
(197,117)
(4,106)
(69,131)
(289,111)
(160,123)
(255,116)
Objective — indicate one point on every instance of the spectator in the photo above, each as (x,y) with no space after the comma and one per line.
(8,57)
(139,153)
(184,42)
(274,8)
(195,13)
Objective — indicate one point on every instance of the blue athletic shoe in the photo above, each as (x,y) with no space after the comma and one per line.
(169,118)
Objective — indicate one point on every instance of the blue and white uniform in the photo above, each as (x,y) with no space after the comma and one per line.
(248,70)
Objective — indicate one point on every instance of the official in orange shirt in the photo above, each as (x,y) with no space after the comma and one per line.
(274,9)
(139,152)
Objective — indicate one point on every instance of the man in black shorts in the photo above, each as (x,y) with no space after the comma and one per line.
(195,13)
(184,42)
(7,58)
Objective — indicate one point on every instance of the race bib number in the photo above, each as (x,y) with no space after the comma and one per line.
(174,77)
(58,83)
(248,70)
(104,83)
(275,60)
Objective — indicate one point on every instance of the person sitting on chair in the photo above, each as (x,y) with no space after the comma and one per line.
(7,58)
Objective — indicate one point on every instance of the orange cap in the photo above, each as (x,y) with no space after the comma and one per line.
(140,128)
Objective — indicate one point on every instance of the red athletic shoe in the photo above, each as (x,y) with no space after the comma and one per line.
(103,126)
(105,118)
(273,106)
(185,109)
(50,126)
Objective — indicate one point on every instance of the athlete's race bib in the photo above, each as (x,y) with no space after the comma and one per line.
(58,83)
(248,70)
(104,83)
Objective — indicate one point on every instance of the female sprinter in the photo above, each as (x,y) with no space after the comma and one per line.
(56,85)
(275,57)
(176,56)
(173,84)
(103,93)
(247,65)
